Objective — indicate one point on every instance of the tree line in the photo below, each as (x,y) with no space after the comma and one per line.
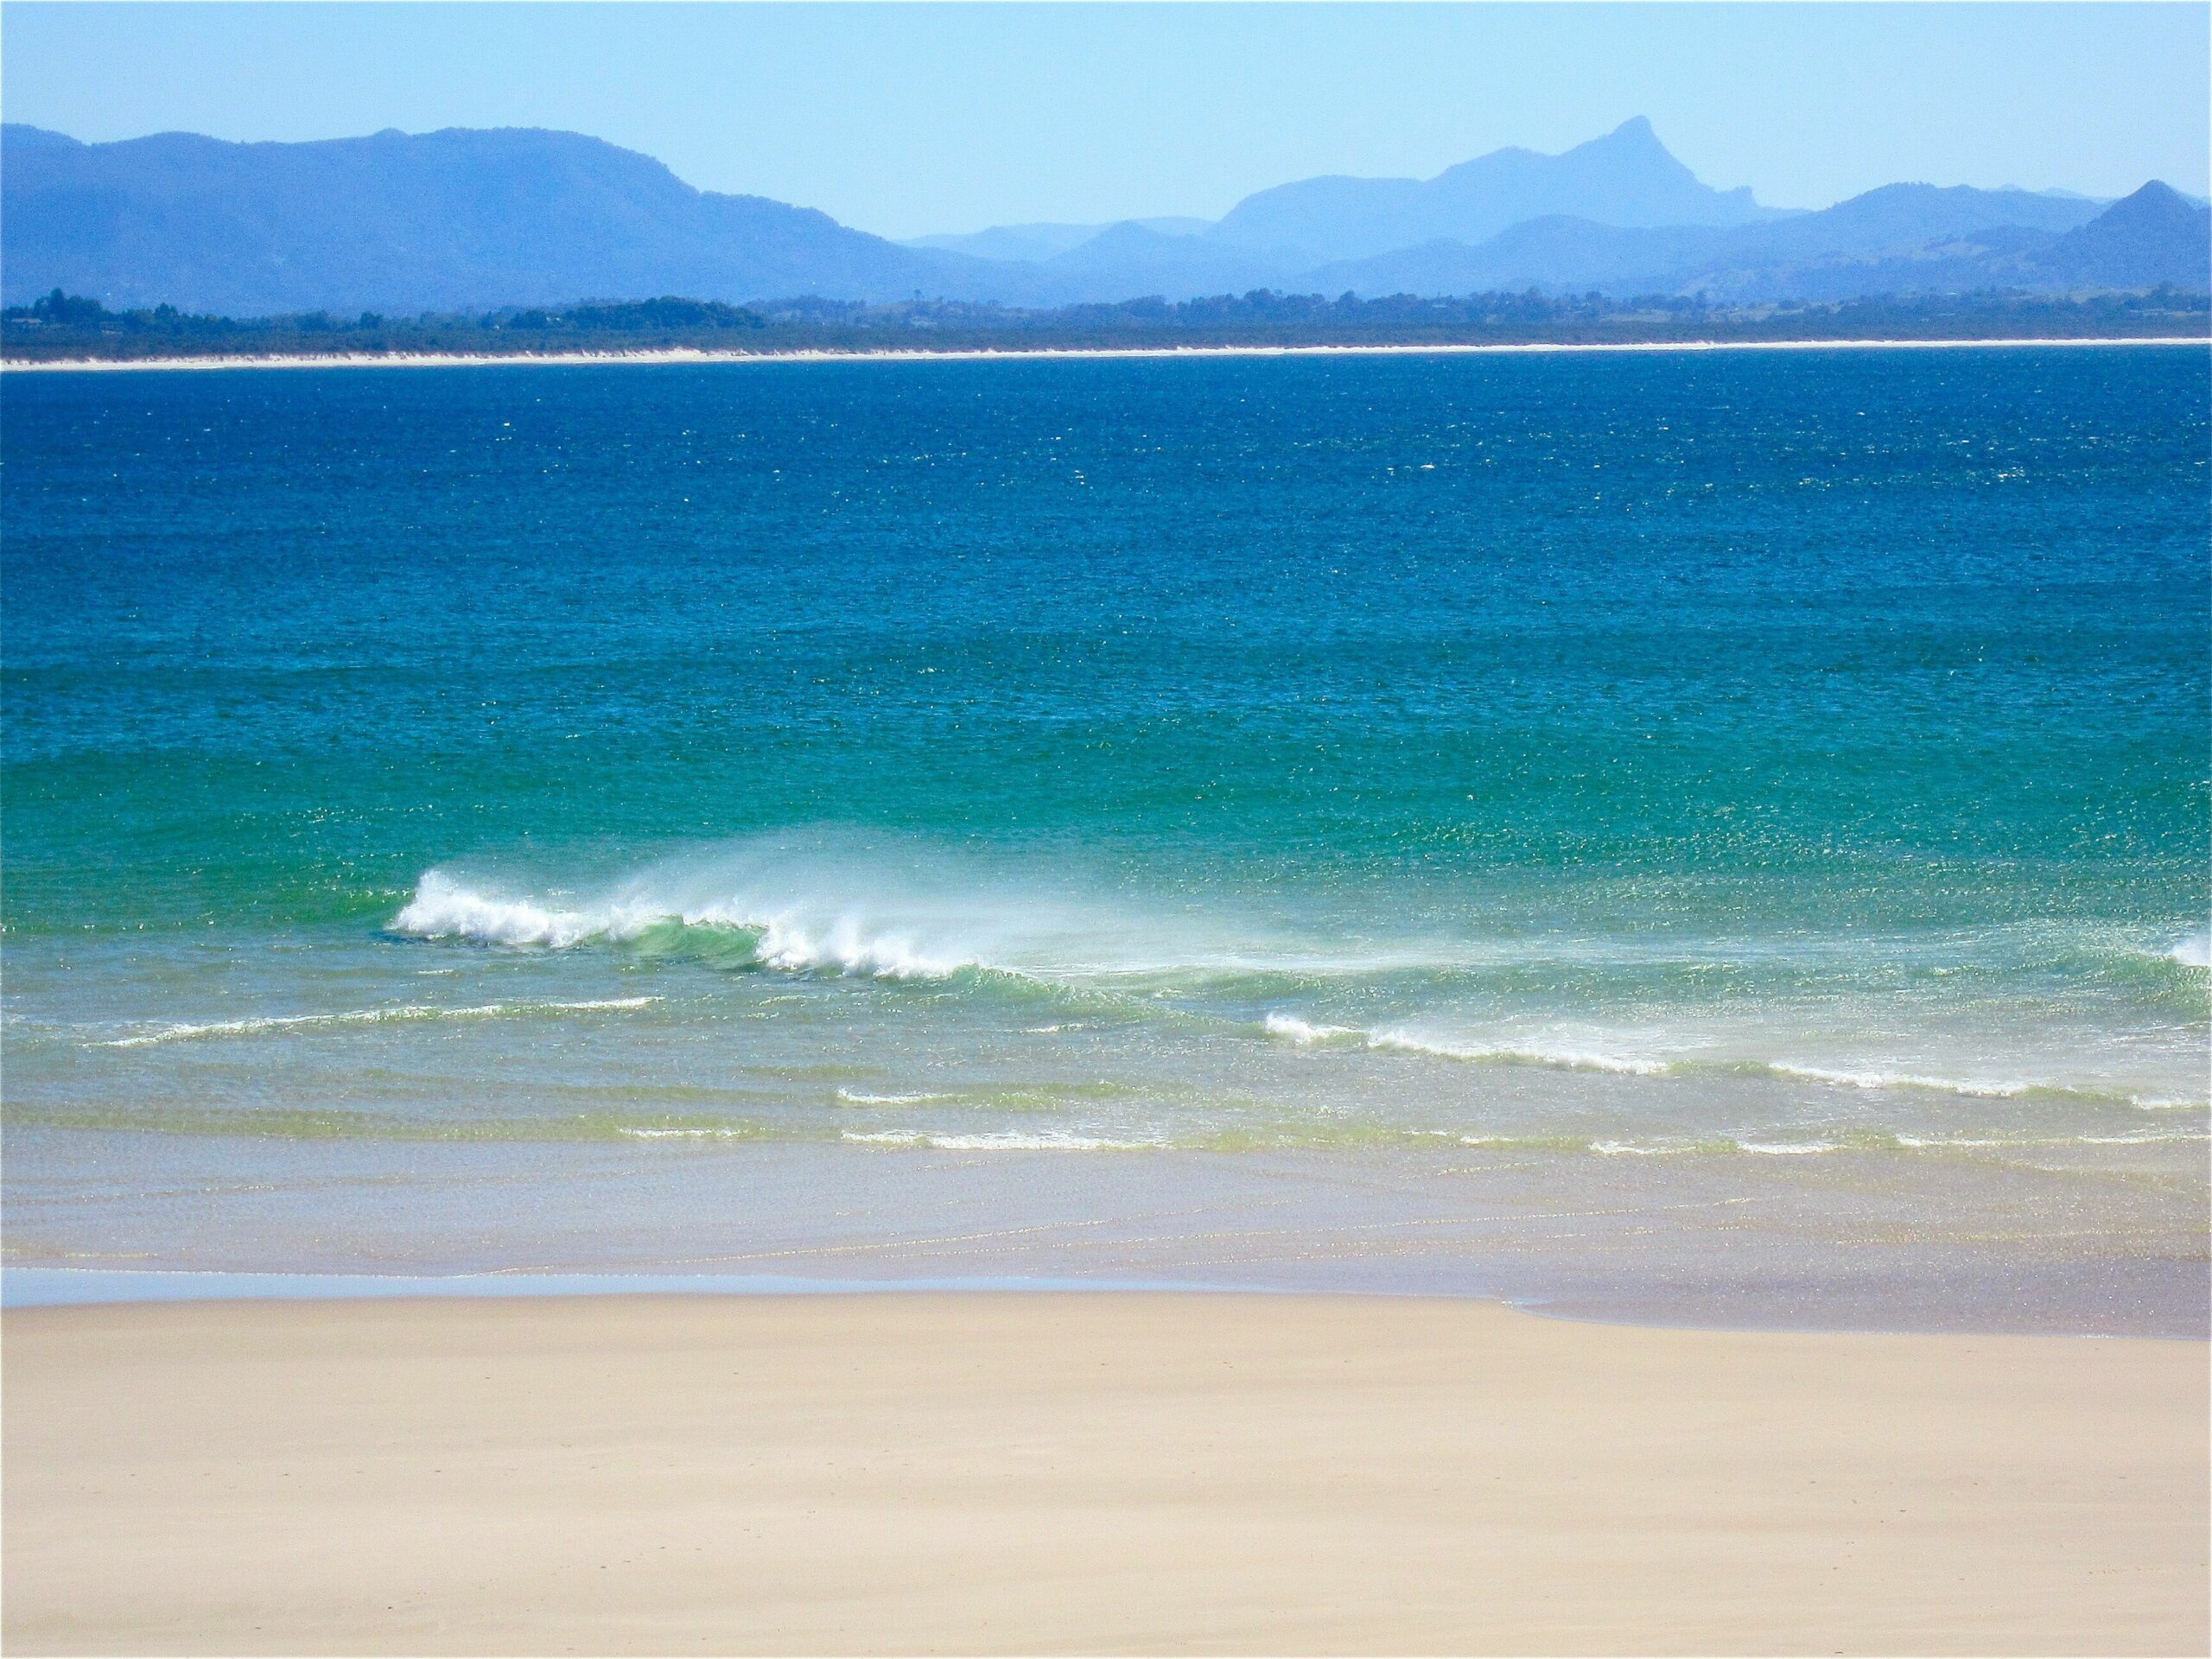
(62,326)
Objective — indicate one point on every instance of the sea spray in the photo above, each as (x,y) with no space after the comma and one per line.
(1169,949)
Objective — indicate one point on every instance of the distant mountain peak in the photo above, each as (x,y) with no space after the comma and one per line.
(1626,177)
(2156,196)
(2156,235)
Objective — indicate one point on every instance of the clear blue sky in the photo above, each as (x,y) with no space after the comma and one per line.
(904,118)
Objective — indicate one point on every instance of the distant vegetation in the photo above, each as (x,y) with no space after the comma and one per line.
(62,326)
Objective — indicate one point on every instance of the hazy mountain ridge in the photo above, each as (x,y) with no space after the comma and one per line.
(1030,242)
(1626,178)
(466,220)
(1900,237)
(450,219)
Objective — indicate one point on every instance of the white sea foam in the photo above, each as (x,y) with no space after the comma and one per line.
(1569,1054)
(852,1097)
(1814,1146)
(254,1024)
(443,908)
(1676,1148)
(1984,1087)
(847,946)
(1939,1143)
(845,904)
(446,908)
(1786,1148)
(1524,1053)
(2195,951)
(1006,1142)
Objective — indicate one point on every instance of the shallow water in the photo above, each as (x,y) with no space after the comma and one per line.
(1778,778)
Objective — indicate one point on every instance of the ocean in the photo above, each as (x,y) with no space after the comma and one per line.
(1715,837)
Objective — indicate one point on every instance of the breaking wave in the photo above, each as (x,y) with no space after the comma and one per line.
(855,903)
(1301,1032)
(849,903)
(2195,951)
(446,908)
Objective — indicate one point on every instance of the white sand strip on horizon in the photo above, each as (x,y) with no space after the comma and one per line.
(686,355)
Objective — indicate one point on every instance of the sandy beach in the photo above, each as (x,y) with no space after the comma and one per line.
(455,360)
(1098,1472)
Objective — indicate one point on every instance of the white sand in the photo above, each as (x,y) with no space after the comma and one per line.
(434,360)
(1090,1473)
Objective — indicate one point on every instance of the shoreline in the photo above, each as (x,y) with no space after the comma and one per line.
(1055,1473)
(693,356)
(55,1288)
(1802,1244)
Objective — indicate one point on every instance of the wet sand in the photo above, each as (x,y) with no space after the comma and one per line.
(1083,1473)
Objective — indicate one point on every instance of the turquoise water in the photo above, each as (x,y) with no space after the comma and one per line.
(1743,759)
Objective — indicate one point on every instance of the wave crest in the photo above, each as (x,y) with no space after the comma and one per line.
(790,939)
(443,908)
(1306,1034)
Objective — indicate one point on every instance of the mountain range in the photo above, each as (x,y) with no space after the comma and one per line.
(464,220)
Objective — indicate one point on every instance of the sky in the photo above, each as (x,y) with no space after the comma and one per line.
(907,119)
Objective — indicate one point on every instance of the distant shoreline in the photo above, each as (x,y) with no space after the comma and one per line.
(687,355)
